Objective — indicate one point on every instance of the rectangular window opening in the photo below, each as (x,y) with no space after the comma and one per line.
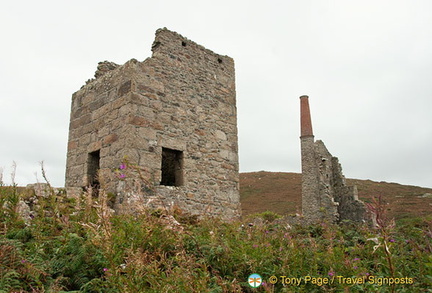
(93,166)
(172,167)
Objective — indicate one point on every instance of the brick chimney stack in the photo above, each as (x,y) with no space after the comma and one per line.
(311,202)
(305,117)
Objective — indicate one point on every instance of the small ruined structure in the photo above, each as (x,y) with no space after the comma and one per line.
(173,116)
(325,195)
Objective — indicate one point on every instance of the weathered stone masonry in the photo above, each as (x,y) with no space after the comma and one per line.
(325,195)
(174,115)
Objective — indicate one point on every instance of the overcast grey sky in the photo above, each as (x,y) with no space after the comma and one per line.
(366,66)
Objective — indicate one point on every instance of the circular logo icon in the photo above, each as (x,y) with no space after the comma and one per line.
(254,280)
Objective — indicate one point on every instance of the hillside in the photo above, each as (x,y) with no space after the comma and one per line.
(281,193)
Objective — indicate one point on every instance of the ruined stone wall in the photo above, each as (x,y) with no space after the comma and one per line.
(342,200)
(323,159)
(350,207)
(311,202)
(325,196)
(176,110)
(317,189)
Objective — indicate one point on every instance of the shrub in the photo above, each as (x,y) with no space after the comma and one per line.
(94,251)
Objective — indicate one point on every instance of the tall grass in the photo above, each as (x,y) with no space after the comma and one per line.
(80,245)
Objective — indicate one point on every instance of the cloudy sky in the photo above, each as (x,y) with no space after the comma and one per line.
(366,66)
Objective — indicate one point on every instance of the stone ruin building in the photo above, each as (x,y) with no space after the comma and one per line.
(325,195)
(173,116)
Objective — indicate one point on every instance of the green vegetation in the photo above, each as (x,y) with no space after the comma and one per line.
(77,245)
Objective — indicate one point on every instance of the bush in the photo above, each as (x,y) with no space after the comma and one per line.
(95,252)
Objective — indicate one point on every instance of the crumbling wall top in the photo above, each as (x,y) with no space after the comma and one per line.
(104,67)
(168,42)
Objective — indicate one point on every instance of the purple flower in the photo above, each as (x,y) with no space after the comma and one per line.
(122,166)
(392,240)
(122,176)
(355,267)
(23,261)
(105,269)
(331,274)
(356,259)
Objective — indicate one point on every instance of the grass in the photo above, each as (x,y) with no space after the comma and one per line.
(68,249)
(79,245)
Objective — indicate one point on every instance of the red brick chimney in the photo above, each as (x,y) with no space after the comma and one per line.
(305,117)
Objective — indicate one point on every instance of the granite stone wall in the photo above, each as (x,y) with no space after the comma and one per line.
(325,195)
(173,116)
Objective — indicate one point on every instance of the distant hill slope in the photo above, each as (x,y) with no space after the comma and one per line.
(281,193)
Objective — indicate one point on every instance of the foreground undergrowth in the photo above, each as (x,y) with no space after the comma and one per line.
(68,245)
